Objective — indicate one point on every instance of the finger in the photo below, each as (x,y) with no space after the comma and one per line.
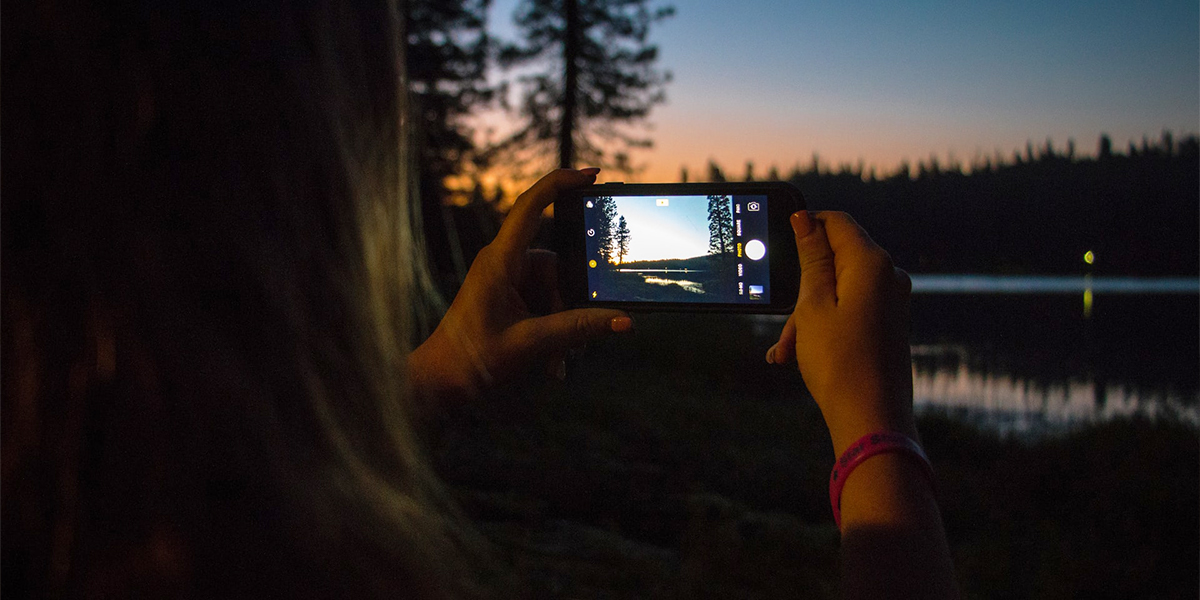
(860,264)
(555,334)
(522,222)
(784,350)
(818,279)
(540,286)
(846,237)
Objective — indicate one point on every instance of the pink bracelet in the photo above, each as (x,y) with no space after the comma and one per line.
(867,446)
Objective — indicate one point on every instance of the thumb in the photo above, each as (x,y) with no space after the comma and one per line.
(559,332)
(818,279)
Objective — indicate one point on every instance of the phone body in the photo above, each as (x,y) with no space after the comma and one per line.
(684,247)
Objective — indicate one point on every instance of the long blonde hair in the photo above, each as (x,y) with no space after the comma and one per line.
(212,274)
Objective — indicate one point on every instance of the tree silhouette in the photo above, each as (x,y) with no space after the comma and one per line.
(599,75)
(622,239)
(1034,212)
(606,224)
(446,58)
(720,226)
(715,174)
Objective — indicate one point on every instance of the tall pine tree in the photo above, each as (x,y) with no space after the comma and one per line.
(720,227)
(622,239)
(606,224)
(599,76)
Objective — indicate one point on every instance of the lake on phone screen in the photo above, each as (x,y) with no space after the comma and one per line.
(1031,355)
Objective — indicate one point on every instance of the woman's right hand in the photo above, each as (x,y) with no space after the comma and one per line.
(849,331)
(849,335)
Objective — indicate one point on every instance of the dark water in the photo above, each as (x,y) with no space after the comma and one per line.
(1031,353)
(1027,354)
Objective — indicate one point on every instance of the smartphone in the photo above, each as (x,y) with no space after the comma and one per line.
(697,247)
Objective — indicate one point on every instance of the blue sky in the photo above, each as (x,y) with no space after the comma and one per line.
(677,230)
(776,82)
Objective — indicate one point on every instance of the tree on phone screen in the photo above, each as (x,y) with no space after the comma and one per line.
(606,222)
(622,239)
(720,226)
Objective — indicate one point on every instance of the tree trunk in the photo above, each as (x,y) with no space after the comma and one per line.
(566,130)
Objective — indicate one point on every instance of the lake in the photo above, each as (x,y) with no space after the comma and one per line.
(1027,354)
(1036,354)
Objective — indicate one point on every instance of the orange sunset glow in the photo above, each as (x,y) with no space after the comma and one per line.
(869,86)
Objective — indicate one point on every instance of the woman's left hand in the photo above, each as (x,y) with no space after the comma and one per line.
(490,333)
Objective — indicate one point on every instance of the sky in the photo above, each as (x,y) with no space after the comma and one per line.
(879,82)
(677,230)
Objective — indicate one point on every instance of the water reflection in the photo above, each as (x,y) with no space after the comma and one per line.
(1034,353)
(1010,403)
(1037,354)
(691,286)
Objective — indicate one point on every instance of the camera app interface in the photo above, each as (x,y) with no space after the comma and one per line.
(677,249)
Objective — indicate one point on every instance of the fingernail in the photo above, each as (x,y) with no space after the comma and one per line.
(802,223)
(621,324)
(561,373)
(590,170)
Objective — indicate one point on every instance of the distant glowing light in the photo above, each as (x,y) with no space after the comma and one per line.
(1089,257)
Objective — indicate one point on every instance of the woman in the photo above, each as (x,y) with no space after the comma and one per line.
(212,289)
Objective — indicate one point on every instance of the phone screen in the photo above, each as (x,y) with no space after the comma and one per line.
(701,249)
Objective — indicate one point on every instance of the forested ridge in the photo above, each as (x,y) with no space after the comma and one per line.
(1036,214)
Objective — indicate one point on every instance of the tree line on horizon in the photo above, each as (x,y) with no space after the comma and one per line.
(1137,213)
(1038,212)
